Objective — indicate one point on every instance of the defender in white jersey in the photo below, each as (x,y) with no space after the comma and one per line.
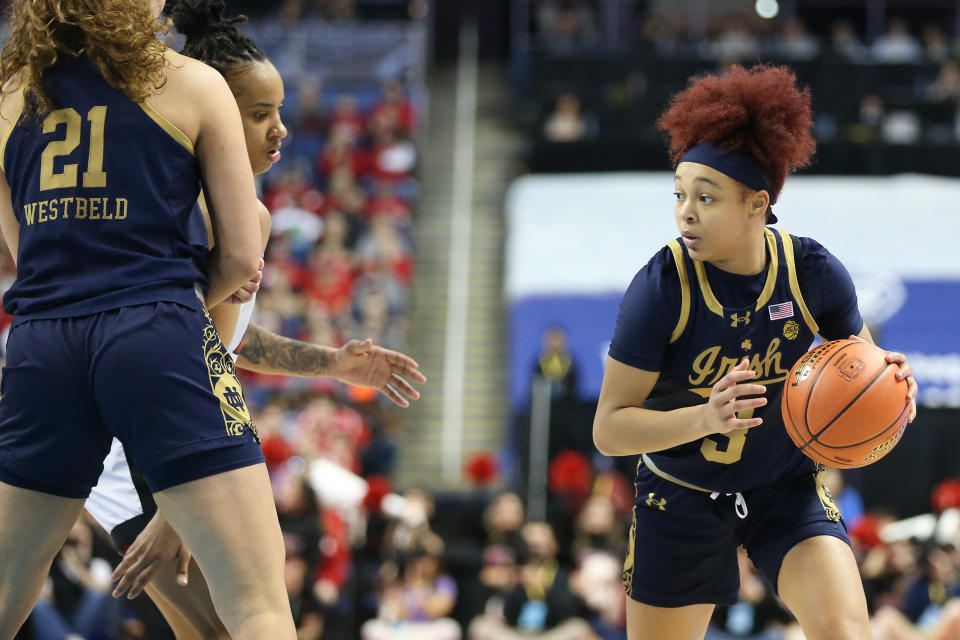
(155,560)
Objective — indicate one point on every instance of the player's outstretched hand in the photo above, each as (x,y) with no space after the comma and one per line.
(245,293)
(364,364)
(157,546)
(905,373)
(727,398)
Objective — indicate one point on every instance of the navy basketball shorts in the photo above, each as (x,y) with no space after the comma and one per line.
(683,542)
(155,376)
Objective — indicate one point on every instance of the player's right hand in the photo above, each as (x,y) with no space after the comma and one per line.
(157,547)
(246,292)
(719,414)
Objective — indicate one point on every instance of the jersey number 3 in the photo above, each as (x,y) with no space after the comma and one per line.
(94,176)
(736,439)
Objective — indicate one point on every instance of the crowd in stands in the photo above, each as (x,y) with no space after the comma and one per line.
(911,95)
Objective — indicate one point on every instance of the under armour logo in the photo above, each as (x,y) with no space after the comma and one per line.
(737,320)
(233,398)
(652,501)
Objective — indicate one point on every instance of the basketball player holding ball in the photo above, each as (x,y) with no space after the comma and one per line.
(706,334)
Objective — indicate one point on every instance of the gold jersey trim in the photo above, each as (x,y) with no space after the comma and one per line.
(169,127)
(6,136)
(711,300)
(771,282)
(666,476)
(794,284)
(684,290)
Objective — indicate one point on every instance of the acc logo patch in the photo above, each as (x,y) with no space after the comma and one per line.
(791,329)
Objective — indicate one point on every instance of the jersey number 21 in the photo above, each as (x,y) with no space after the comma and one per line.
(66,178)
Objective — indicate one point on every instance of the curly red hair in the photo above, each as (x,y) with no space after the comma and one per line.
(759,111)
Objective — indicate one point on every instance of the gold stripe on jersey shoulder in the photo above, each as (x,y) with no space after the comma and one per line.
(6,136)
(684,290)
(794,283)
(771,281)
(708,298)
(169,127)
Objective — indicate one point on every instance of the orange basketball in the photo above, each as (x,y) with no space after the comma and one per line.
(842,404)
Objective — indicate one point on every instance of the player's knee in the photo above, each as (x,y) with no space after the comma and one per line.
(837,625)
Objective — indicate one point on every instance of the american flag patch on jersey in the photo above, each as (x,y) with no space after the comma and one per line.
(780,311)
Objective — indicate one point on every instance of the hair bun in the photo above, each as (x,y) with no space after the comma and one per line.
(195,18)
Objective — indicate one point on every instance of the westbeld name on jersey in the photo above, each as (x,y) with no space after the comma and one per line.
(77,208)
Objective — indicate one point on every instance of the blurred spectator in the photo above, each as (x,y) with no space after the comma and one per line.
(844,41)
(541,605)
(346,120)
(302,227)
(299,517)
(938,582)
(897,45)
(502,520)
(386,202)
(415,605)
(393,157)
(758,611)
(330,268)
(76,597)
(735,43)
(290,186)
(564,26)
(385,247)
(340,152)
(946,87)
(307,612)
(901,127)
(886,570)
(891,624)
(597,528)
(566,123)
(935,44)
(597,582)
(394,109)
(871,115)
(309,116)
(555,363)
(796,43)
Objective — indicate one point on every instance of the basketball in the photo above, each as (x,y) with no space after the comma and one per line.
(842,404)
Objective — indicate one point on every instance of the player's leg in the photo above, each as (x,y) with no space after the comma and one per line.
(796,539)
(238,546)
(820,584)
(187,609)
(36,524)
(122,504)
(645,622)
(166,388)
(681,561)
(51,447)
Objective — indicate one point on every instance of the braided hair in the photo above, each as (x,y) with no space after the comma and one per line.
(213,38)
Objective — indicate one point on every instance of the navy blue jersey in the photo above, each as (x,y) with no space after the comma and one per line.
(105,191)
(672,320)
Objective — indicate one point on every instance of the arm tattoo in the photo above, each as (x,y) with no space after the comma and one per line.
(292,357)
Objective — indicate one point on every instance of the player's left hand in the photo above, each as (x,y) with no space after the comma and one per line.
(247,291)
(905,373)
(157,546)
(364,364)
